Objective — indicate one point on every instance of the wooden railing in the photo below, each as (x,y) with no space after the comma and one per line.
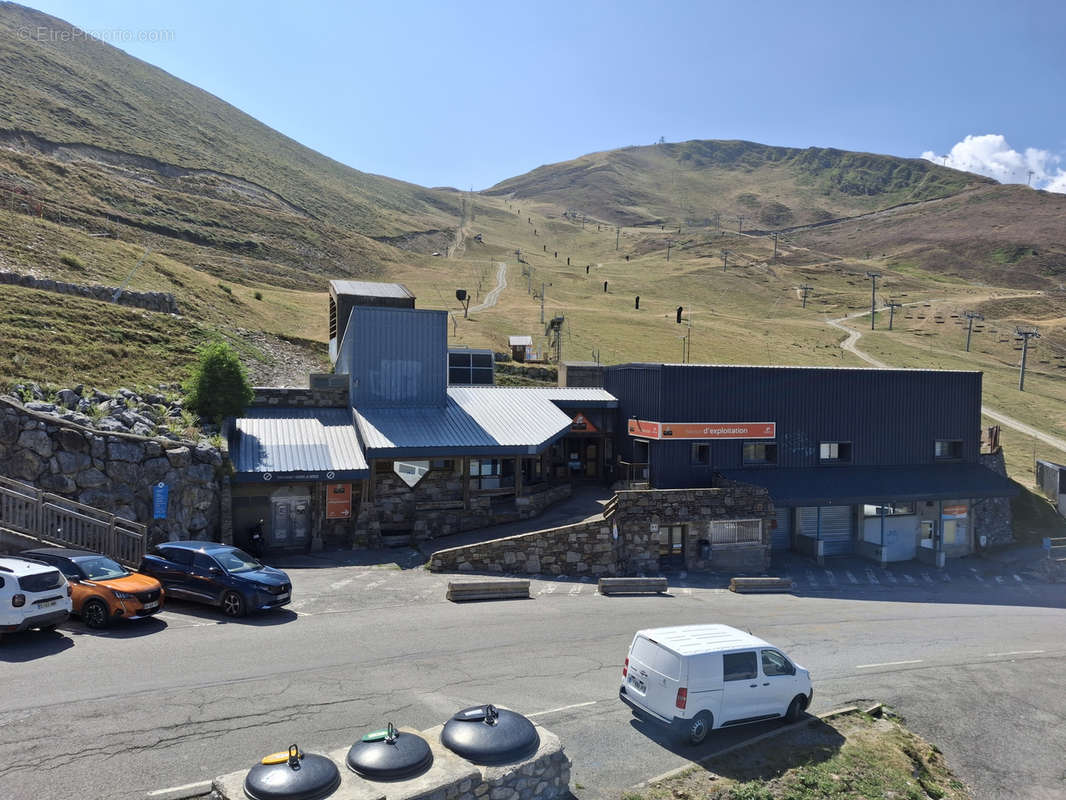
(57,520)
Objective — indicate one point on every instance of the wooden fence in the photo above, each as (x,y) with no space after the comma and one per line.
(57,520)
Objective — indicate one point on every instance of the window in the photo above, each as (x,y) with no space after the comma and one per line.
(382,467)
(488,473)
(203,562)
(654,656)
(888,509)
(739,666)
(411,472)
(176,554)
(446,464)
(701,453)
(834,451)
(760,453)
(948,449)
(773,663)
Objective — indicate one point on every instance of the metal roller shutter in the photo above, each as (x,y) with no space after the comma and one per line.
(782,534)
(836,527)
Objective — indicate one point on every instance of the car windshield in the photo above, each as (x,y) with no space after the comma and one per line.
(101,568)
(236,560)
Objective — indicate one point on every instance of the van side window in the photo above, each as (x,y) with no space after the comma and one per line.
(739,666)
(773,663)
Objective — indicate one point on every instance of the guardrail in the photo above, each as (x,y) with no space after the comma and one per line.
(760,585)
(55,519)
(631,585)
(487,590)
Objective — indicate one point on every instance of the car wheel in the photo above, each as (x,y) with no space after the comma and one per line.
(94,613)
(233,604)
(698,728)
(795,709)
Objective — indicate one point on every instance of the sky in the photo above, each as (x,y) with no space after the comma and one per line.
(467,94)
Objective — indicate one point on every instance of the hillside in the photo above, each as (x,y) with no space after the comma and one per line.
(688,183)
(103,139)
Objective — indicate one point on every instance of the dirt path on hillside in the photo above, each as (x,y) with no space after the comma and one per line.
(854,335)
(494,295)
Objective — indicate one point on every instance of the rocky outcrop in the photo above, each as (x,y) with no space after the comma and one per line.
(114,471)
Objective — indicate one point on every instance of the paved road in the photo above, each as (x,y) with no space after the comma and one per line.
(854,335)
(973,662)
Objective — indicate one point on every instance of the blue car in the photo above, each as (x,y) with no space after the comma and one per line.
(217,574)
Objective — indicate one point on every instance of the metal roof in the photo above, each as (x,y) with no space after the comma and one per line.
(574,396)
(289,444)
(843,485)
(520,341)
(370,289)
(475,420)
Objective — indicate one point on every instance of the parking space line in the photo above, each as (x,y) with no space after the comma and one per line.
(888,664)
(561,708)
(908,578)
(851,577)
(927,577)
(871,577)
(1017,653)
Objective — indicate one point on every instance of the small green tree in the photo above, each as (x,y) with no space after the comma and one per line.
(218,386)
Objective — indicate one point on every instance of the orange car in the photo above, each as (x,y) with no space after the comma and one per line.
(103,589)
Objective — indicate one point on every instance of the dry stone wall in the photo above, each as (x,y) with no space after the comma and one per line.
(162,302)
(992,516)
(113,471)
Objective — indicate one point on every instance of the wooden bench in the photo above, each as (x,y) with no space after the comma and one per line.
(631,585)
(760,585)
(487,590)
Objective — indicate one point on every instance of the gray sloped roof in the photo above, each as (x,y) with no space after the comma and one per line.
(313,443)
(520,341)
(574,396)
(371,289)
(476,420)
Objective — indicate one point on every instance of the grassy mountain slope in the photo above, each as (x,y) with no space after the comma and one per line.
(771,187)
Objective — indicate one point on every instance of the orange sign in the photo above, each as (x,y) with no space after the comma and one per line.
(702,430)
(954,511)
(581,423)
(338,501)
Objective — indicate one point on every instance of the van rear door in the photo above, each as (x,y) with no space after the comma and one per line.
(654,676)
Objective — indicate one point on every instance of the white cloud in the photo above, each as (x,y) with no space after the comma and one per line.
(990,154)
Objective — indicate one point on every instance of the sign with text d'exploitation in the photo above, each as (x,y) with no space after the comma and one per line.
(338,501)
(645,429)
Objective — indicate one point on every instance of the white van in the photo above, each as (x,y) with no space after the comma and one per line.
(695,678)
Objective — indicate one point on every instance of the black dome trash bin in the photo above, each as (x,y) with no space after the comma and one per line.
(389,755)
(292,775)
(488,735)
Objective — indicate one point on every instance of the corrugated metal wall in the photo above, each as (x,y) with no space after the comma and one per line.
(397,357)
(891,417)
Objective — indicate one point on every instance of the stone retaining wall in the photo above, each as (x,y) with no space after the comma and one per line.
(162,302)
(626,542)
(586,548)
(114,472)
(992,516)
(545,775)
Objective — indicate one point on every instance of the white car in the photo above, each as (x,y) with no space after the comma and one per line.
(696,678)
(32,595)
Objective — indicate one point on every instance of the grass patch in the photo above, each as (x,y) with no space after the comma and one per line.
(847,757)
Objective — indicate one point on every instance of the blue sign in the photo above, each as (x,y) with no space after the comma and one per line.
(160,495)
(1047,543)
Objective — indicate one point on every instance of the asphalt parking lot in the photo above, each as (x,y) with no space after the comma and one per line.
(971,662)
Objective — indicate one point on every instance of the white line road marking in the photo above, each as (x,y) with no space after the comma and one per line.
(549,589)
(686,591)
(851,577)
(812,580)
(926,577)
(1018,578)
(946,578)
(575,589)
(974,571)
(891,577)
(888,664)
(829,576)
(1017,653)
(999,579)
(908,578)
(561,708)
(871,577)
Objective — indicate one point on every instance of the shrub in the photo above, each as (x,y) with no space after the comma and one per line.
(71,261)
(218,386)
(258,295)
(225,288)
